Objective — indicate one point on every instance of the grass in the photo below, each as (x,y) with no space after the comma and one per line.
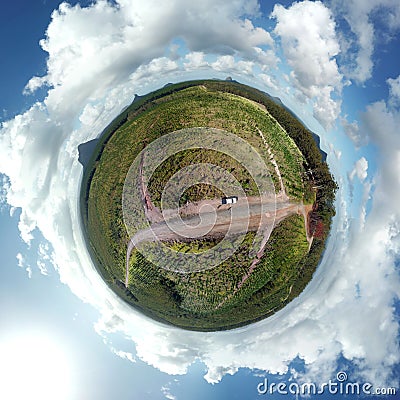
(207,300)
(199,192)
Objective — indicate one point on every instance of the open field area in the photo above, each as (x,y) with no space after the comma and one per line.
(199,192)
(243,288)
(229,302)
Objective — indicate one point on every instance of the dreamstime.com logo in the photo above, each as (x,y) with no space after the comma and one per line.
(340,386)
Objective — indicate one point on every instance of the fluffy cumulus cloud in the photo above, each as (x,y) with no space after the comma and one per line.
(228,64)
(195,61)
(307,32)
(98,57)
(360,170)
(358,15)
(105,43)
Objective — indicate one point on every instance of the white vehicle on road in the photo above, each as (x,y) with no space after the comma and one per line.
(229,200)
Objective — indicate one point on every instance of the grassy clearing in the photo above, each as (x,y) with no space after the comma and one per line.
(203,300)
(194,300)
(201,191)
(190,107)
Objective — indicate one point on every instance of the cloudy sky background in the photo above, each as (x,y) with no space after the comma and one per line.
(335,64)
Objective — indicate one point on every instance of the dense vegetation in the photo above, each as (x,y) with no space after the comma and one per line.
(208,300)
(201,191)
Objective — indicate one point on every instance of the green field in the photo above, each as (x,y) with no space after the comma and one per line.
(177,298)
(211,299)
(200,191)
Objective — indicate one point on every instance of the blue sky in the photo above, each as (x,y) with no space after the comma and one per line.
(25,22)
(94,59)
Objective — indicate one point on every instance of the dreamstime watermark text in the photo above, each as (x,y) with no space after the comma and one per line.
(341,386)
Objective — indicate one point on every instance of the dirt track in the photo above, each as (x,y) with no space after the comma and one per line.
(214,220)
(208,218)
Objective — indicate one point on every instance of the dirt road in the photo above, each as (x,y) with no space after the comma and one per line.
(214,220)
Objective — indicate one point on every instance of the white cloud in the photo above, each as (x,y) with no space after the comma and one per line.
(42,267)
(124,355)
(382,124)
(358,14)
(269,81)
(23,264)
(195,61)
(266,59)
(4,188)
(166,391)
(394,90)
(90,114)
(121,39)
(45,258)
(20,259)
(216,373)
(229,65)
(155,67)
(307,32)
(360,170)
(34,84)
(96,55)
(394,86)
(367,188)
(352,130)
